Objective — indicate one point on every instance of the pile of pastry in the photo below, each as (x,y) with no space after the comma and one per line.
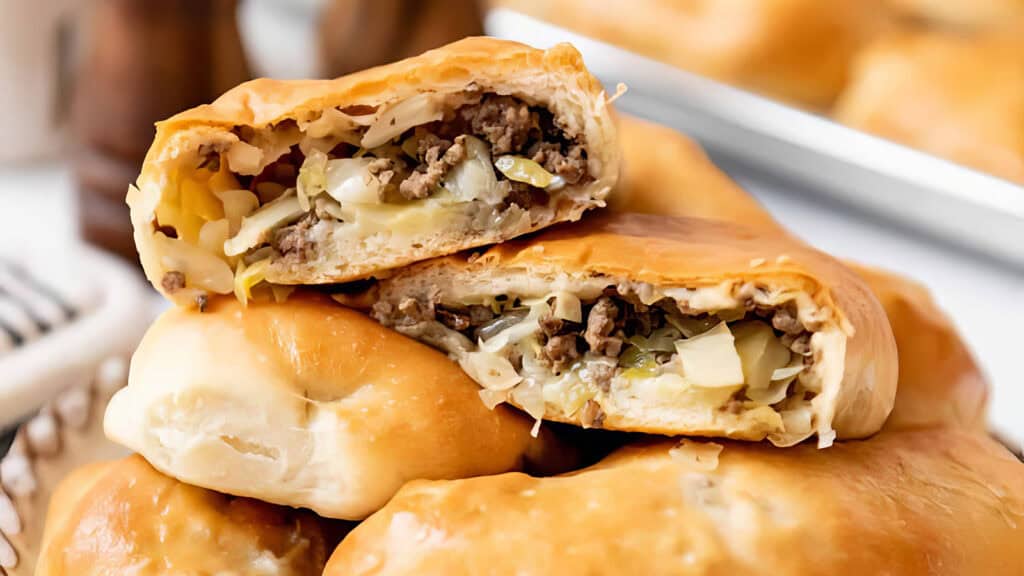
(943,76)
(423,298)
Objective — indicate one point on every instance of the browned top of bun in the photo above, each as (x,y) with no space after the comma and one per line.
(939,502)
(310,404)
(664,172)
(940,383)
(124,517)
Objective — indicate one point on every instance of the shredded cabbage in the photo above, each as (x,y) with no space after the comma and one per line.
(248,276)
(524,170)
(710,359)
(256,227)
(568,307)
(796,426)
(661,340)
(773,394)
(760,351)
(348,180)
(529,395)
(690,326)
(202,269)
(237,205)
(490,370)
(788,372)
(492,398)
(244,158)
(213,235)
(312,178)
(392,122)
(474,177)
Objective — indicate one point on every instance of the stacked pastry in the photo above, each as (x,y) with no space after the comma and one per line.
(372,324)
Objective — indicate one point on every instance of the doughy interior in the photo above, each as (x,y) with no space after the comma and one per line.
(581,352)
(382,180)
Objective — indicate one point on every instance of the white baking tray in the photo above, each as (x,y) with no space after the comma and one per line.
(942,199)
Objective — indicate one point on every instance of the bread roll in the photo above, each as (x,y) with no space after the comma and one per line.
(940,384)
(795,50)
(664,172)
(939,381)
(937,502)
(662,325)
(310,404)
(957,96)
(325,181)
(962,14)
(124,517)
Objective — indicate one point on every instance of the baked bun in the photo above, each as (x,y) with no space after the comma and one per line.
(664,172)
(663,325)
(940,384)
(796,50)
(962,14)
(938,502)
(324,181)
(956,96)
(939,381)
(124,517)
(309,404)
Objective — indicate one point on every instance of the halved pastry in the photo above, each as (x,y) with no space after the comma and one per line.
(939,502)
(124,517)
(312,405)
(939,381)
(940,384)
(659,324)
(312,182)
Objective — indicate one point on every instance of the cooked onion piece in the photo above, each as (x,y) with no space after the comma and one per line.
(343,180)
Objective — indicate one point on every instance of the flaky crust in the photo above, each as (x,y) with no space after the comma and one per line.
(310,404)
(665,251)
(124,517)
(937,502)
(940,384)
(955,96)
(796,50)
(939,381)
(556,78)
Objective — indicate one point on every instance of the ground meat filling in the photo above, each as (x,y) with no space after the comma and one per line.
(508,124)
(603,334)
(414,165)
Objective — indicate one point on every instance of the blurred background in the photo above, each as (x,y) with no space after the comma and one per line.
(83,81)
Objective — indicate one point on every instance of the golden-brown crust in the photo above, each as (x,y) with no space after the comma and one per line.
(955,96)
(310,404)
(694,253)
(125,517)
(939,502)
(664,172)
(796,50)
(939,381)
(556,78)
(964,14)
(940,384)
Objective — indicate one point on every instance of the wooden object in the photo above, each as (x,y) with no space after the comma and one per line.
(358,34)
(142,61)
